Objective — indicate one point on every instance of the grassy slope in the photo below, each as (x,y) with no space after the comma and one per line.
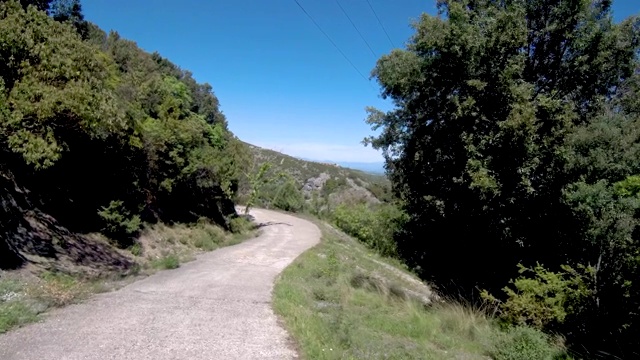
(340,301)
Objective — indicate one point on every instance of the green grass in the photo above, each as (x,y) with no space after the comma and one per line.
(339,302)
(23,298)
(167,262)
(15,313)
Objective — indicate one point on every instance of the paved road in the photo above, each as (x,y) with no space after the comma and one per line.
(217,307)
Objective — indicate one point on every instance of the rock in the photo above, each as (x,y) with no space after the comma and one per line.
(315,183)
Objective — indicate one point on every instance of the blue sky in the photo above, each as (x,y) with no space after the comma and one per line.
(280,82)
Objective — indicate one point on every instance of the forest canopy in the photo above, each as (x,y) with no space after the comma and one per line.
(102,135)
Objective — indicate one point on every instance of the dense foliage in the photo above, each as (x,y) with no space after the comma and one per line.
(102,135)
(514,140)
(372,225)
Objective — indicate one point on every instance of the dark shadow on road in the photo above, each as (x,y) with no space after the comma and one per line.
(271,223)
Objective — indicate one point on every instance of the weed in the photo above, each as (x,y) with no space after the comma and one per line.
(57,289)
(166,262)
(240,225)
(136,249)
(524,343)
(15,313)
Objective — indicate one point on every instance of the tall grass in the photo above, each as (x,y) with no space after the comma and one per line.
(339,304)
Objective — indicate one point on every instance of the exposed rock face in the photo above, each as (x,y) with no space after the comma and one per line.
(10,218)
(353,194)
(315,183)
(27,235)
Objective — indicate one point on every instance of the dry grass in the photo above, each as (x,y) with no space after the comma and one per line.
(23,295)
(164,247)
(27,293)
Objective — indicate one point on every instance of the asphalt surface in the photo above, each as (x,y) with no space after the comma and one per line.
(217,307)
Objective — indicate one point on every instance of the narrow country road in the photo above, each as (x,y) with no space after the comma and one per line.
(217,307)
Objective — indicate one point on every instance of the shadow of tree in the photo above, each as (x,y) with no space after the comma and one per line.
(271,223)
(31,236)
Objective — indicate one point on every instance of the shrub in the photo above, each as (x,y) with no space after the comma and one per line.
(239,225)
(543,298)
(288,197)
(332,185)
(57,290)
(525,343)
(206,236)
(136,249)
(118,221)
(375,227)
(167,262)
(630,186)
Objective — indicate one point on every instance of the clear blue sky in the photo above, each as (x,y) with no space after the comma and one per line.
(280,82)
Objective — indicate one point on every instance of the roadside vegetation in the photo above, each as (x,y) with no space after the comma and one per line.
(341,300)
(512,151)
(114,162)
(26,294)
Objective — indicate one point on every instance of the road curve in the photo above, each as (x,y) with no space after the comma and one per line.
(217,307)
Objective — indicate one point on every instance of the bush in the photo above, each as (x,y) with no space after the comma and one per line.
(288,197)
(543,298)
(136,249)
(239,225)
(373,226)
(118,221)
(58,289)
(167,262)
(332,185)
(525,343)
(207,236)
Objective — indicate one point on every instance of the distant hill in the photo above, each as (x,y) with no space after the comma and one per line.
(332,183)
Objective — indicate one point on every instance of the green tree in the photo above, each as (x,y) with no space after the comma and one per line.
(257,180)
(488,96)
(288,196)
(42,5)
(85,122)
(71,11)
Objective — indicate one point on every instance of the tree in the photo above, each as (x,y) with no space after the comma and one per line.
(100,132)
(288,196)
(257,179)
(487,96)
(71,11)
(41,5)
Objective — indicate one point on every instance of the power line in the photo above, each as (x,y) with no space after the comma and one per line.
(380,22)
(332,42)
(355,27)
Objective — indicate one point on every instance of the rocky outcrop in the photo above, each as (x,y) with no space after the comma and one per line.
(315,184)
(354,193)
(29,236)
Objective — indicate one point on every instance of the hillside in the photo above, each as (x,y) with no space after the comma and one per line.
(319,184)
